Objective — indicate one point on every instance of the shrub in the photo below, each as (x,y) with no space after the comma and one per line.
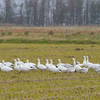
(91,33)
(51,33)
(3,34)
(76,34)
(26,33)
(9,33)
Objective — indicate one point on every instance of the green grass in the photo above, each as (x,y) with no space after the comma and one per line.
(48,41)
(45,85)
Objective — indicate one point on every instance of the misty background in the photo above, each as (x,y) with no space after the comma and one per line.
(50,12)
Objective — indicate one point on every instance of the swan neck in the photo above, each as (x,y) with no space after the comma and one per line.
(84,61)
(38,61)
(74,64)
(59,61)
(47,62)
(87,59)
(51,62)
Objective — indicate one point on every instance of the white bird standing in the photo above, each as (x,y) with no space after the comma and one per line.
(88,60)
(77,68)
(16,66)
(40,66)
(86,63)
(47,64)
(61,67)
(52,67)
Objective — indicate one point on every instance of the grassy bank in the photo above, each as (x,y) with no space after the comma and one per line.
(50,35)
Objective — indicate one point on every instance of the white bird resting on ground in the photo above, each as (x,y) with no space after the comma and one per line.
(64,65)
(5,68)
(24,67)
(84,70)
(97,70)
(19,62)
(8,64)
(71,69)
(31,65)
(62,68)
(78,63)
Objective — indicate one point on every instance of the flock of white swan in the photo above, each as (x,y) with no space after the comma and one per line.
(60,67)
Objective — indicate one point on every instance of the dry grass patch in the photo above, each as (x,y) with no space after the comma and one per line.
(45,85)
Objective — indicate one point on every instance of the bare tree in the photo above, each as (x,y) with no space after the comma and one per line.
(9,12)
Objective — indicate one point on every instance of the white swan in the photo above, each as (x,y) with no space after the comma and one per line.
(5,68)
(19,62)
(86,63)
(71,69)
(16,66)
(0,65)
(61,67)
(47,64)
(84,70)
(52,67)
(31,65)
(78,63)
(9,64)
(24,67)
(40,66)
(88,60)
(62,64)
(77,68)
(95,67)
(97,70)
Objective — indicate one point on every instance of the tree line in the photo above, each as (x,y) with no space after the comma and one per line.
(50,12)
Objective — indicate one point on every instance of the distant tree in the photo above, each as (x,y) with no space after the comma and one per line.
(78,12)
(42,13)
(21,14)
(9,10)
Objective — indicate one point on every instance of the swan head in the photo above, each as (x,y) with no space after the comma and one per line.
(2,61)
(38,59)
(27,60)
(15,60)
(46,60)
(18,59)
(73,59)
(59,60)
(84,56)
(77,62)
(51,60)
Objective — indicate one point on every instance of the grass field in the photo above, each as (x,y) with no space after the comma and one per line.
(45,85)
